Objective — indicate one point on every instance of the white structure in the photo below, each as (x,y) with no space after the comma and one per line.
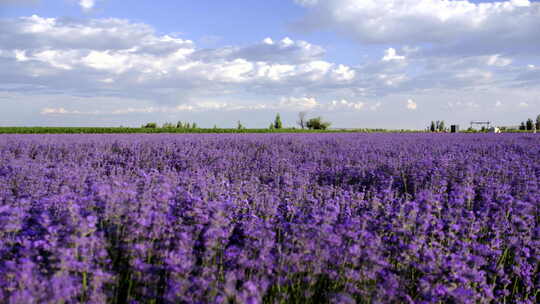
(494,130)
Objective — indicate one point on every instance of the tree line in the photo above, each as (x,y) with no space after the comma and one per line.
(437,126)
(170,125)
(315,123)
(530,124)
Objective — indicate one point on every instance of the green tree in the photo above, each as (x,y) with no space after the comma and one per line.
(277,122)
(317,124)
(150,125)
(179,125)
(240,126)
(441,127)
(194,125)
(538,122)
(522,126)
(168,125)
(271,127)
(432,126)
(529,124)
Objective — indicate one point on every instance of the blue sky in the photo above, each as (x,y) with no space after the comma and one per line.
(242,22)
(386,63)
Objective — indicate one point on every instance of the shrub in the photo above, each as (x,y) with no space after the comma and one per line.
(150,125)
(317,124)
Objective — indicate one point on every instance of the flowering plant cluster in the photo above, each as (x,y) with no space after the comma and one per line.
(270,218)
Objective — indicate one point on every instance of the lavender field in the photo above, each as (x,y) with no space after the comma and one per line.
(270,218)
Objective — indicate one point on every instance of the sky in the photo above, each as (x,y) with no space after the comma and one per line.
(357,63)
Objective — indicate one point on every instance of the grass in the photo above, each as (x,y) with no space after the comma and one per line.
(127,130)
(115,130)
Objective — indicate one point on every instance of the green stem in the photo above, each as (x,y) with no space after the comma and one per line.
(130,286)
(85,284)
(515,287)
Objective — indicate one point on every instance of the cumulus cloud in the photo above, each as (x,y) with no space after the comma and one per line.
(298,103)
(151,73)
(390,54)
(35,32)
(344,104)
(87,5)
(497,60)
(268,50)
(115,56)
(448,26)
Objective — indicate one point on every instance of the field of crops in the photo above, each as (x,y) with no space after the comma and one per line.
(270,218)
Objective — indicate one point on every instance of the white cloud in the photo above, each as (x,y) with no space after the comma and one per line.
(57,59)
(343,73)
(411,105)
(459,26)
(286,104)
(344,104)
(283,51)
(156,74)
(35,32)
(87,4)
(47,111)
(290,103)
(497,60)
(310,103)
(20,55)
(390,54)
(98,52)
(268,41)
(286,42)
(301,103)
(523,3)
(475,74)
(133,54)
